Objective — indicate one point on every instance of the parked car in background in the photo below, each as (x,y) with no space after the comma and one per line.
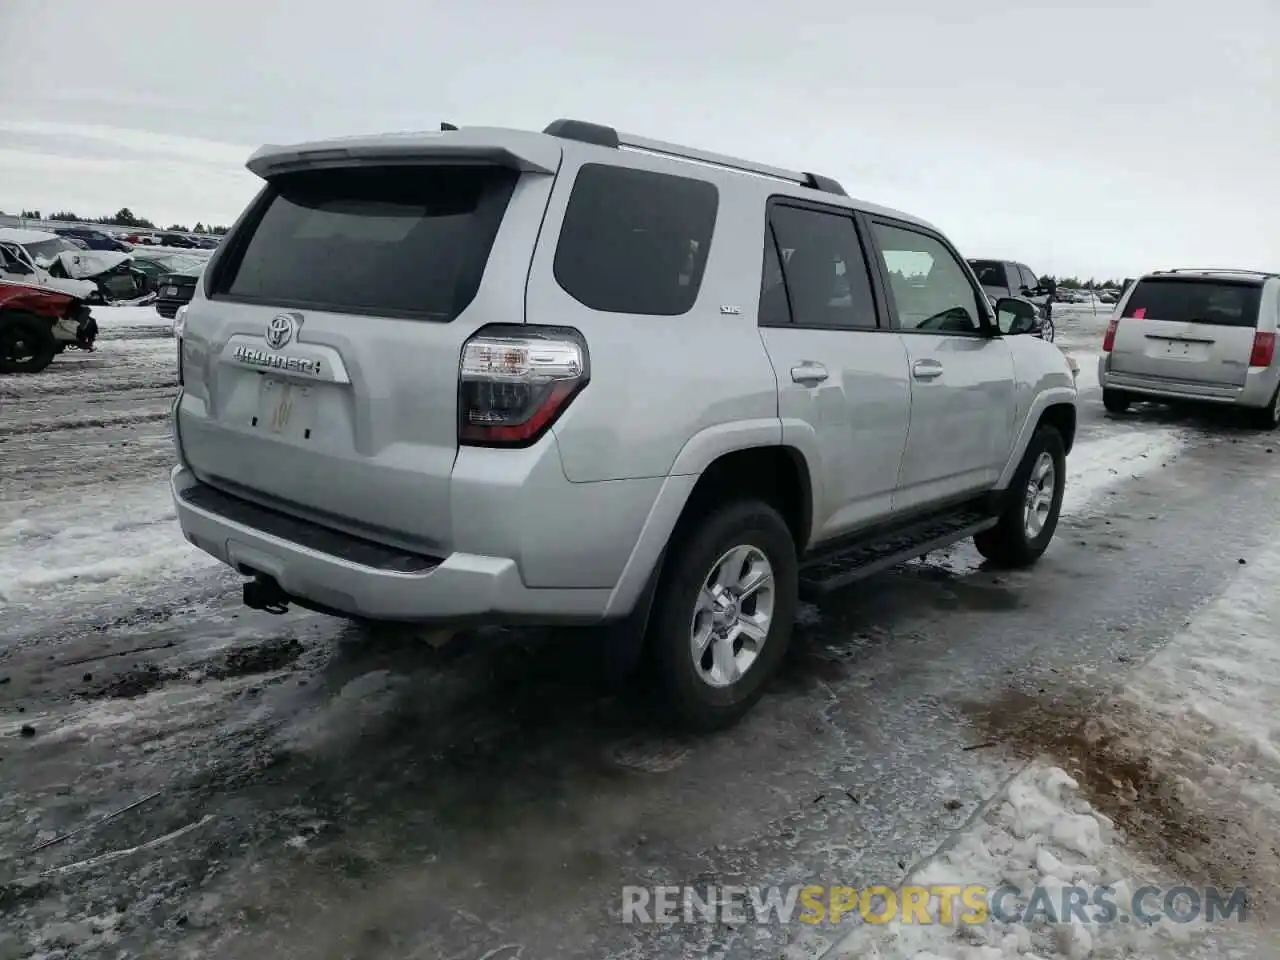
(176,288)
(36,324)
(1203,335)
(153,266)
(29,257)
(177,240)
(1007,278)
(92,239)
(144,239)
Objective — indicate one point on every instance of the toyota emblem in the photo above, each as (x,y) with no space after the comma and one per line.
(281,330)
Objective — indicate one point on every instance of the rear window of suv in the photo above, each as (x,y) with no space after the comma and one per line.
(634,241)
(990,273)
(386,241)
(1224,303)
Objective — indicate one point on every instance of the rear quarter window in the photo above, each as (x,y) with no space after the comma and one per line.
(1222,303)
(635,241)
(407,241)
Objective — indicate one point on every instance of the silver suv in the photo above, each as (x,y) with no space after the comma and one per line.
(580,377)
(1206,335)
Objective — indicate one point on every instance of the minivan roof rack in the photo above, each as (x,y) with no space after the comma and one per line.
(1226,271)
(603,136)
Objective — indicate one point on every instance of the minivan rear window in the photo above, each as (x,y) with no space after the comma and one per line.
(1222,303)
(393,241)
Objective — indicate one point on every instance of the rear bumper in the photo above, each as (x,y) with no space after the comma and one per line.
(169,308)
(355,577)
(1258,389)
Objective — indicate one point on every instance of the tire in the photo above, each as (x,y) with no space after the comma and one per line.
(1015,541)
(26,344)
(1268,418)
(700,693)
(1114,401)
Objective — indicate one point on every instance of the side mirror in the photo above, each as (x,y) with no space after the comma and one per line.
(1014,316)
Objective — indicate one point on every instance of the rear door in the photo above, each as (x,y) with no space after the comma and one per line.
(1188,328)
(321,352)
(839,370)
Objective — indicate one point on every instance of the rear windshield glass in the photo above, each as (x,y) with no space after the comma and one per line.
(990,273)
(1195,301)
(396,241)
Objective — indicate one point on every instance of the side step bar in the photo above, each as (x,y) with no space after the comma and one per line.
(830,571)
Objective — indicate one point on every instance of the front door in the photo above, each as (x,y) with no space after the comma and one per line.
(962,378)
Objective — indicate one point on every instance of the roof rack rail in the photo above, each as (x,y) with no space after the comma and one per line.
(1227,271)
(604,136)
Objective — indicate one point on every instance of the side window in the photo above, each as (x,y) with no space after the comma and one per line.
(930,289)
(775,310)
(634,241)
(1029,279)
(823,267)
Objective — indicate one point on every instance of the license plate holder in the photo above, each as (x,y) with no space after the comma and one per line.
(286,409)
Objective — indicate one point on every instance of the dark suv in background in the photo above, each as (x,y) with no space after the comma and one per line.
(93,239)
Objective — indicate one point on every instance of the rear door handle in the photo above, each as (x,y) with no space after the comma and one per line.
(808,373)
(926,369)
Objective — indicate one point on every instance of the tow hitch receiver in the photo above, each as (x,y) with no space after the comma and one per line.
(263,593)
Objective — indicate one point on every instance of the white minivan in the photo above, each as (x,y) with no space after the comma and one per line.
(1202,335)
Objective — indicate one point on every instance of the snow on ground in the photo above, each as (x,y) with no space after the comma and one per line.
(123,317)
(91,542)
(1188,755)
(1095,467)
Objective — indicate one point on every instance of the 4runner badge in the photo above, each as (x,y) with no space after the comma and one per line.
(276,361)
(281,330)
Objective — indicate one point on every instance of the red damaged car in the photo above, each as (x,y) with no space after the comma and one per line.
(37,323)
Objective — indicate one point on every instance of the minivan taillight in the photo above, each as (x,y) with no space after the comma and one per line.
(1264,349)
(514,382)
(1109,338)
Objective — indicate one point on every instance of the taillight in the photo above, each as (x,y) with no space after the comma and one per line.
(1109,338)
(513,382)
(1264,349)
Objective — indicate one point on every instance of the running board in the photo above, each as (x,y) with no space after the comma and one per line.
(833,570)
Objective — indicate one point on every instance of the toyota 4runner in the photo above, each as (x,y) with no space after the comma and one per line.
(580,377)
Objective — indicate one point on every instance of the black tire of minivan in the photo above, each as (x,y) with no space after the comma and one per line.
(1115,402)
(26,343)
(692,703)
(1268,418)
(1007,543)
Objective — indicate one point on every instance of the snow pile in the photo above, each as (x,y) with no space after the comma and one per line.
(1042,838)
(87,539)
(120,317)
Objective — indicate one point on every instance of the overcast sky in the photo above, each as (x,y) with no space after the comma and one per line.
(1084,138)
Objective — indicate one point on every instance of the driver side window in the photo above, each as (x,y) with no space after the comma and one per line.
(930,288)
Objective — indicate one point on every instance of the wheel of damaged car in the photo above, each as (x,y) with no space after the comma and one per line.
(26,343)
(723,613)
